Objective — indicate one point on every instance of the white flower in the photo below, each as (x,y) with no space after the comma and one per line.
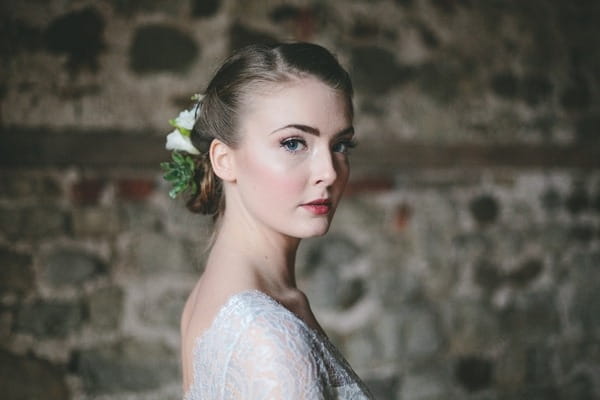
(185,120)
(177,141)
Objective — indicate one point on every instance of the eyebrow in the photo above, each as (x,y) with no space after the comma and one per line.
(314,131)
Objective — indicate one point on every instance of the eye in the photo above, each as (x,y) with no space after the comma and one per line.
(293,145)
(344,146)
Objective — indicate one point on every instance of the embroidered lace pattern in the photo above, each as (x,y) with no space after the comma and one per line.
(257,349)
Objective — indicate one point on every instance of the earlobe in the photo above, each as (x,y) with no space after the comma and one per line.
(221,159)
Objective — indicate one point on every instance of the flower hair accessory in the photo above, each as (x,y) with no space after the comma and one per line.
(180,170)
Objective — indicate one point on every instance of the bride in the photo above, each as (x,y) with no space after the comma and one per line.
(269,150)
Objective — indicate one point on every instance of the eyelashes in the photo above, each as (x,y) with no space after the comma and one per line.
(346,145)
(293,144)
(297,144)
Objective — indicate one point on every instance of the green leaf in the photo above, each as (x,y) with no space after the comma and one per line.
(180,173)
(184,132)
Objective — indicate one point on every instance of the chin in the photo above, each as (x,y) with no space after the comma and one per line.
(315,230)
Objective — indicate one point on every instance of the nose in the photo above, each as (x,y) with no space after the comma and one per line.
(325,172)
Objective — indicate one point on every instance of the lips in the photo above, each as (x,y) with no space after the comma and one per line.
(318,207)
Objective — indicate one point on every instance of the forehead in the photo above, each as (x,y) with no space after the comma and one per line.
(300,101)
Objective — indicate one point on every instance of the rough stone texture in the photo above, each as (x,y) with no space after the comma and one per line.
(127,365)
(95,221)
(105,308)
(156,253)
(157,48)
(16,274)
(26,186)
(65,266)
(205,8)
(240,36)
(51,319)
(438,281)
(32,222)
(79,35)
(375,70)
(29,378)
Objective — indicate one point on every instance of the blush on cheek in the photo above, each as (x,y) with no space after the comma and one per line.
(274,180)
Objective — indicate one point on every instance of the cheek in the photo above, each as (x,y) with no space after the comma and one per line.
(269,176)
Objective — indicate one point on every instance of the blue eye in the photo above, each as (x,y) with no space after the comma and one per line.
(293,144)
(344,146)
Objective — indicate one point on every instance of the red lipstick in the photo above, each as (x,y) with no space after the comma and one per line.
(319,206)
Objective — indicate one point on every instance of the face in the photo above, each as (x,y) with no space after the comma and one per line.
(292,162)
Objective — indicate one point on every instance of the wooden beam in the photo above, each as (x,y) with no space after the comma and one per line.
(25,148)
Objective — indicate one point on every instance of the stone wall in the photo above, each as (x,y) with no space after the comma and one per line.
(463,263)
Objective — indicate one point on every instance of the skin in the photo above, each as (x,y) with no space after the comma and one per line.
(295,137)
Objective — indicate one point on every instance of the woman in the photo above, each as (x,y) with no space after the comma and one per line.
(271,143)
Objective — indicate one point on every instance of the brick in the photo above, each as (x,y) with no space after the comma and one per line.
(135,189)
(87,191)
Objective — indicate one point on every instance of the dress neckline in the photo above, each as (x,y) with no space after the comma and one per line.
(227,305)
(270,299)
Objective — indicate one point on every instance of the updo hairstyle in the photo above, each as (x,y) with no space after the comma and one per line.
(233,85)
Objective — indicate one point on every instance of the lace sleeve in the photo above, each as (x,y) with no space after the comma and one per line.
(257,349)
(275,359)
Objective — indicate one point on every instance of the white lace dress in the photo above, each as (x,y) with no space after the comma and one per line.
(258,349)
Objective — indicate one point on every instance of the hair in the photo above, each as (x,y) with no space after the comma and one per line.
(229,91)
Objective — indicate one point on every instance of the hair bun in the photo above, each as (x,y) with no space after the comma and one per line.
(207,199)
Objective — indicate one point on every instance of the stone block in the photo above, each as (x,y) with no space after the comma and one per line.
(584,307)
(165,309)
(49,318)
(29,378)
(205,8)
(383,388)
(94,221)
(130,7)
(375,70)
(70,266)
(421,335)
(105,308)
(533,316)
(423,386)
(139,217)
(156,253)
(474,373)
(10,221)
(580,387)
(22,185)
(158,48)
(33,222)
(484,209)
(44,221)
(327,286)
(241,36)
(526,272)
(126,366)
(16,274)
(80,36)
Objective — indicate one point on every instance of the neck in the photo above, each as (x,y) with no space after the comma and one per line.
(255,255)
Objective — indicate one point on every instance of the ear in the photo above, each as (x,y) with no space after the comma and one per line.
(221,158)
